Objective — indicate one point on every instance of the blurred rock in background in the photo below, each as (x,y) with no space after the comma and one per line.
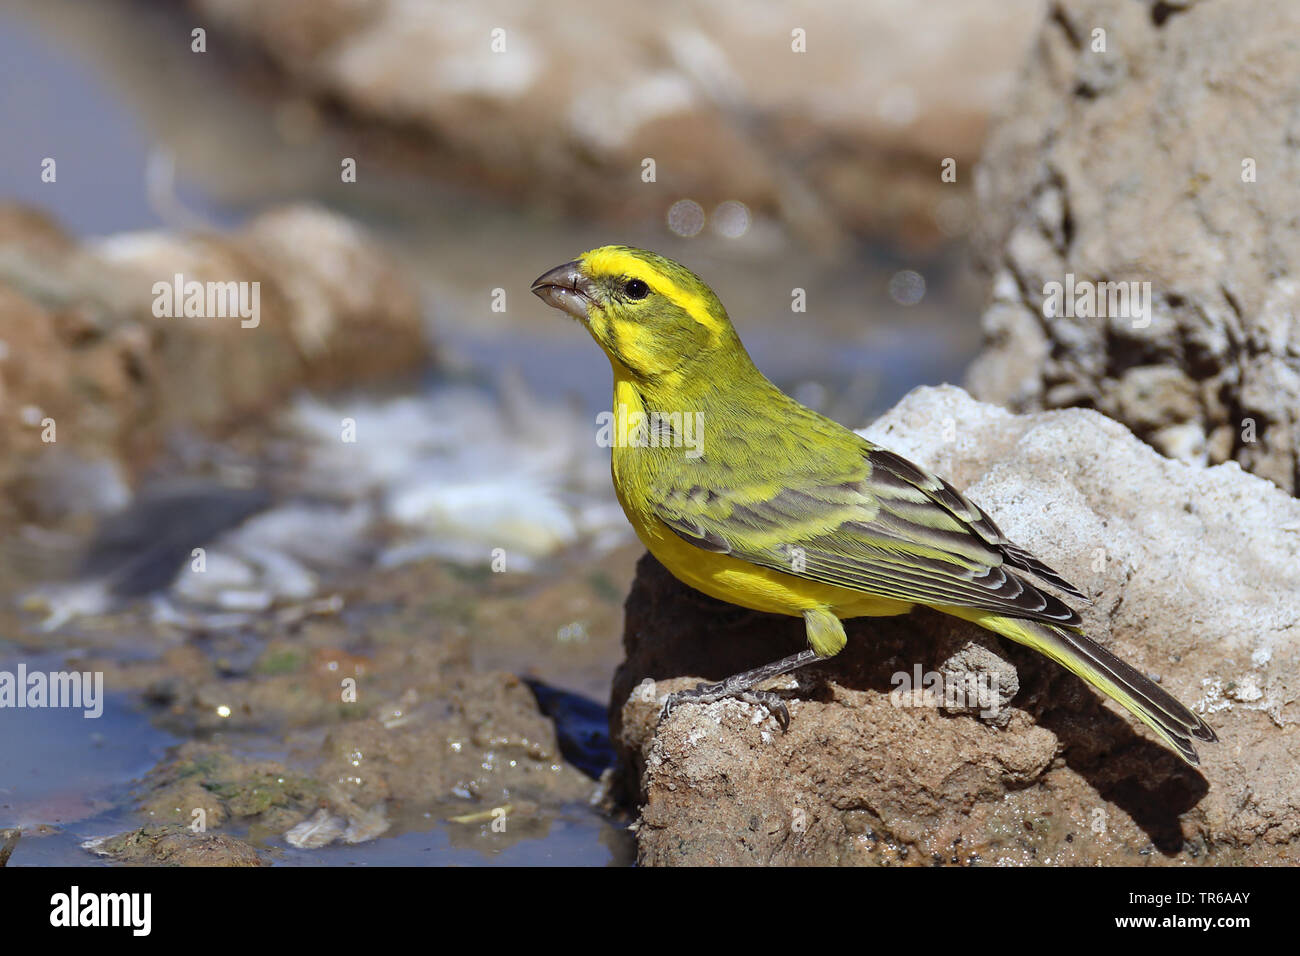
(1169,158)
(92,381)
(563,105)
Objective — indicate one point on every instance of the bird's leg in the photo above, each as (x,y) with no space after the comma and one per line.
(742,686)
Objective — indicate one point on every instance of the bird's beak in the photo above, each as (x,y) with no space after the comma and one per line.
(566,287)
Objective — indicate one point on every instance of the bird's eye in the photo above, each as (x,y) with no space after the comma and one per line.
(636,289)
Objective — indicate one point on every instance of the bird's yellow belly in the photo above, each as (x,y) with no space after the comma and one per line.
(761,589)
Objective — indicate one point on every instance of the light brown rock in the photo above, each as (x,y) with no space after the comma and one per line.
(81,345)
(1127,165)
(846,136)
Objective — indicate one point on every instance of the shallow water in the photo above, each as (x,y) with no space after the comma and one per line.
(64,777)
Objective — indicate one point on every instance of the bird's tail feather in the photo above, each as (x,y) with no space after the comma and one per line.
(1141,696)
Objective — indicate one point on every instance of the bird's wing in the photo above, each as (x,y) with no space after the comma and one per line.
(887,528)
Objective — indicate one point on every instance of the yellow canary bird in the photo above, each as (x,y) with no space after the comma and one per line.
(749,496)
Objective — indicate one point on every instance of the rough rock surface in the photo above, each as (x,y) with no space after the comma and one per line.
(574,96)
(80,344)
(1194,577)
(1136,164)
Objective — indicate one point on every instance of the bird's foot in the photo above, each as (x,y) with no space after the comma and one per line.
(742,686)
(709,693)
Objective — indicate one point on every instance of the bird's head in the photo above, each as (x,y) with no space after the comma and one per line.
(651,315)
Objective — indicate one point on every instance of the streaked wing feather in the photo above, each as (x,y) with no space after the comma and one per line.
(972,515)
(894,530)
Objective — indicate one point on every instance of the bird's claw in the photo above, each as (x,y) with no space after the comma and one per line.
(774,703)
(708,693)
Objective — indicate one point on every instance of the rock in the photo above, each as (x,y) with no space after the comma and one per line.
(341,312)
(1194,576)
(176,846)
(205,781)
(561,104)
(92,380)
(977,681)
(1159,160)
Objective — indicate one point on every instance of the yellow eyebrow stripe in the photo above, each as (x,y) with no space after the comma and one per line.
(615,260)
